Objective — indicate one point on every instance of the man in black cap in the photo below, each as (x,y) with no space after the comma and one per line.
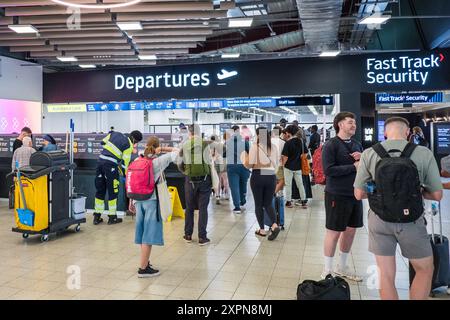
(115,157)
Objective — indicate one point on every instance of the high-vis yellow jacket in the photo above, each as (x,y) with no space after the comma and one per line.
(117,148)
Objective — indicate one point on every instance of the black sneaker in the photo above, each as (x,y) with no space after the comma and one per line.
(114,219)
(289,204)
(97,218)
(273,234)
(282,227)
(237,210)
(147,272)
(203,242)
(187,238)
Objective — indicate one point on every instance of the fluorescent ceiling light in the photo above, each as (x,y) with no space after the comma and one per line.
(329,53)
(87,66)
(289,110)
(230,55)
(375,19)
(122,4)
(23,28)
(147,57)
(240,22)
(129,26)
(67,59)
(313,110)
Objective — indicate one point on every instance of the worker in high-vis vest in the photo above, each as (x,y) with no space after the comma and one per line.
(112,163)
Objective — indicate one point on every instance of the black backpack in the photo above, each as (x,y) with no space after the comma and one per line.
(397,196)
(331,288)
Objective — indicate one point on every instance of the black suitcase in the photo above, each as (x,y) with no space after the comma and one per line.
(440,246)
(331,288)
(277,213)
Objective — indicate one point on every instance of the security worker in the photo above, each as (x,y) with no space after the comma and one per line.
(113,161)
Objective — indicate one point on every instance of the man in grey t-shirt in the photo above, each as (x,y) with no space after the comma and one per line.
(412,237)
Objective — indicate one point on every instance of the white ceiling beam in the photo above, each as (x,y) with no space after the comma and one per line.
(167,39)
(173,32)
(88,40)
(83,53)
(146,7)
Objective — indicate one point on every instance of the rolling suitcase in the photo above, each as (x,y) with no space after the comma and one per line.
(440,246)
(277,204)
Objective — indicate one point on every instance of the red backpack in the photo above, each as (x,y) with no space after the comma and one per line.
(140,182)
(317,168)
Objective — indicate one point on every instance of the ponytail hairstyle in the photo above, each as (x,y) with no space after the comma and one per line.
(263,133)
(152,145)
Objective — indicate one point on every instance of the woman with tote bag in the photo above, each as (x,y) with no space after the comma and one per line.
(149,220)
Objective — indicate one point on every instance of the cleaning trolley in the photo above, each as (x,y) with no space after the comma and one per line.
(44,199)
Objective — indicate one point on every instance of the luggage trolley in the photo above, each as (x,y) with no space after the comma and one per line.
(47,188)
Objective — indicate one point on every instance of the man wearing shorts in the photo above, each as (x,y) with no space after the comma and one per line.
(340,159)
(412,237)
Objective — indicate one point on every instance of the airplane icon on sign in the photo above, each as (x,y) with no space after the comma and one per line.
(226,74)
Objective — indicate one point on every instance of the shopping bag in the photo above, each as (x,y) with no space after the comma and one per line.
(215,179)
(165,204)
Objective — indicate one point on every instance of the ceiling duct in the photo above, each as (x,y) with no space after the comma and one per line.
(320,23)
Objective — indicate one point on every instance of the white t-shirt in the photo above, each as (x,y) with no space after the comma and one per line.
(279,143)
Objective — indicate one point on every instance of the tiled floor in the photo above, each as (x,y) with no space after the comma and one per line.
(236,265)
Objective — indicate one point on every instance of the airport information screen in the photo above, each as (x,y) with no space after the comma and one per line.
(443,138)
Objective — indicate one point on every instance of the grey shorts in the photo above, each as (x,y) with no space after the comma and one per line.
(412,238)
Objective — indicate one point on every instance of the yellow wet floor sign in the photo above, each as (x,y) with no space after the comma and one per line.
(177,208)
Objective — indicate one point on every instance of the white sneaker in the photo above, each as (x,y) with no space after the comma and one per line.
(325,273)
(348,274)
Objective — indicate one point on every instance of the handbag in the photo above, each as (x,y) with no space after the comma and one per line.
(215,179)
(331,288)
(164,201)
(306,169)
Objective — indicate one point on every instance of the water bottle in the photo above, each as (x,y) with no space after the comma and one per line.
(370,187)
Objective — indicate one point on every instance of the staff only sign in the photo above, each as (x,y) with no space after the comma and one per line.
(402,69)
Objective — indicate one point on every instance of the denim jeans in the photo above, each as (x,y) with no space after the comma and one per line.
(238,178)
(149,226)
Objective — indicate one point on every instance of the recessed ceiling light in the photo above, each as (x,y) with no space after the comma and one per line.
(230,55)
(147,57)
(240,22)
(329,53)
(375,19)
(123,3)
(129,26)
(87,66)
(23,28)
(67,59)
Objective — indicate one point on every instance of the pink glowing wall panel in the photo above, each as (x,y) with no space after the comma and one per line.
(15,114)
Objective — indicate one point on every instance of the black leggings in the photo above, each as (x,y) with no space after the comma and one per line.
(263,187)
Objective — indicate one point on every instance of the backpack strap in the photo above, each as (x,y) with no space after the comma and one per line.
(381,151)
(409,149)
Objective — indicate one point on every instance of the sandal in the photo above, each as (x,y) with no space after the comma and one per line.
(259,233)
(274,234)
